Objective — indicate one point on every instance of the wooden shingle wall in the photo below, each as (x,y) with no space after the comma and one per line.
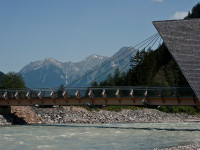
(182,38)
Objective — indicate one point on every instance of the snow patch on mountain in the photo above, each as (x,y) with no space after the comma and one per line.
(52,73)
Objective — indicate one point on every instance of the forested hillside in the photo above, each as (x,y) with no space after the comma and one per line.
(149,68)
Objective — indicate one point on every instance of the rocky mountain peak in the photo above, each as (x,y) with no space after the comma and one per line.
(32,66)
(95,57)
(53,61)
(53,73)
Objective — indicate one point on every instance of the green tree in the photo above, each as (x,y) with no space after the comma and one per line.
(1,77)
(13,80)
(160,79)
(117,77)
(94,84)
(110,80)
(60,90)
(195,13)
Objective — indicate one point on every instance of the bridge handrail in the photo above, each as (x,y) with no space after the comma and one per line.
(109,91)
(98,88)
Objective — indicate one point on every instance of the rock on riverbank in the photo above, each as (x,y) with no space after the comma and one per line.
(3,121)
(187,147)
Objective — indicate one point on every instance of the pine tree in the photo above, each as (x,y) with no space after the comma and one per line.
(1,77)
(13,80)
(195,13)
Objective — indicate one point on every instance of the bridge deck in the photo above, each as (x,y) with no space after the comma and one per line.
(101,101)
(100,96)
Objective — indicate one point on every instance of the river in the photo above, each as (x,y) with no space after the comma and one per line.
(141,136)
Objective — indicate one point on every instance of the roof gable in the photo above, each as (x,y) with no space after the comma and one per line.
(182,38)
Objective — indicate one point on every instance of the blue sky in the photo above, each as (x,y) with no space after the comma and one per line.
(70,30)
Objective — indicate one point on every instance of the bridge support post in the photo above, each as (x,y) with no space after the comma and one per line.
(5,110)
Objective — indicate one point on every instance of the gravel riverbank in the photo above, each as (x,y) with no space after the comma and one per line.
(72,114)
(186,147)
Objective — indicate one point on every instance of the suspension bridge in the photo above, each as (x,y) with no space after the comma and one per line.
(182,39)
(100,96)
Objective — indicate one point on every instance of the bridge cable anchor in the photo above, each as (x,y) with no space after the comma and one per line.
(78,95)
(16,95)
(66,95)
(118,96)
(28,96)
(53,96)
(5,96)
(104,96)
(40,95)
(132,95)
(91,95)
(146,103)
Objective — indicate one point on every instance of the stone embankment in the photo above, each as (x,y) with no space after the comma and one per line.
(187,147)
(20,115)
(72,114)
(26,113)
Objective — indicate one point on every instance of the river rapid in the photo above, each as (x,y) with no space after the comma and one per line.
(126,136)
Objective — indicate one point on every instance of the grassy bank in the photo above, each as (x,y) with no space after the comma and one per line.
(191,110)
(111,108)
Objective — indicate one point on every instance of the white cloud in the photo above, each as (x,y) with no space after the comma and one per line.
(179,15)
(158,1)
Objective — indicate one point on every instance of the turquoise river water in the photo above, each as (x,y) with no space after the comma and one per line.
(137,136)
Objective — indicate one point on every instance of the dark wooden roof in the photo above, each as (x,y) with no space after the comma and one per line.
(182,38)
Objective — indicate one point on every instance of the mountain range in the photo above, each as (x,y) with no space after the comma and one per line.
(51,73)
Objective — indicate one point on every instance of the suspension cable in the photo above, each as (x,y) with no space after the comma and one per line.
(130,62)
(152,64)
(91,71)
(149,41)
(106,71)
(157,36)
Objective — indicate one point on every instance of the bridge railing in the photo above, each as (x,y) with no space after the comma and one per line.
(85,92)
